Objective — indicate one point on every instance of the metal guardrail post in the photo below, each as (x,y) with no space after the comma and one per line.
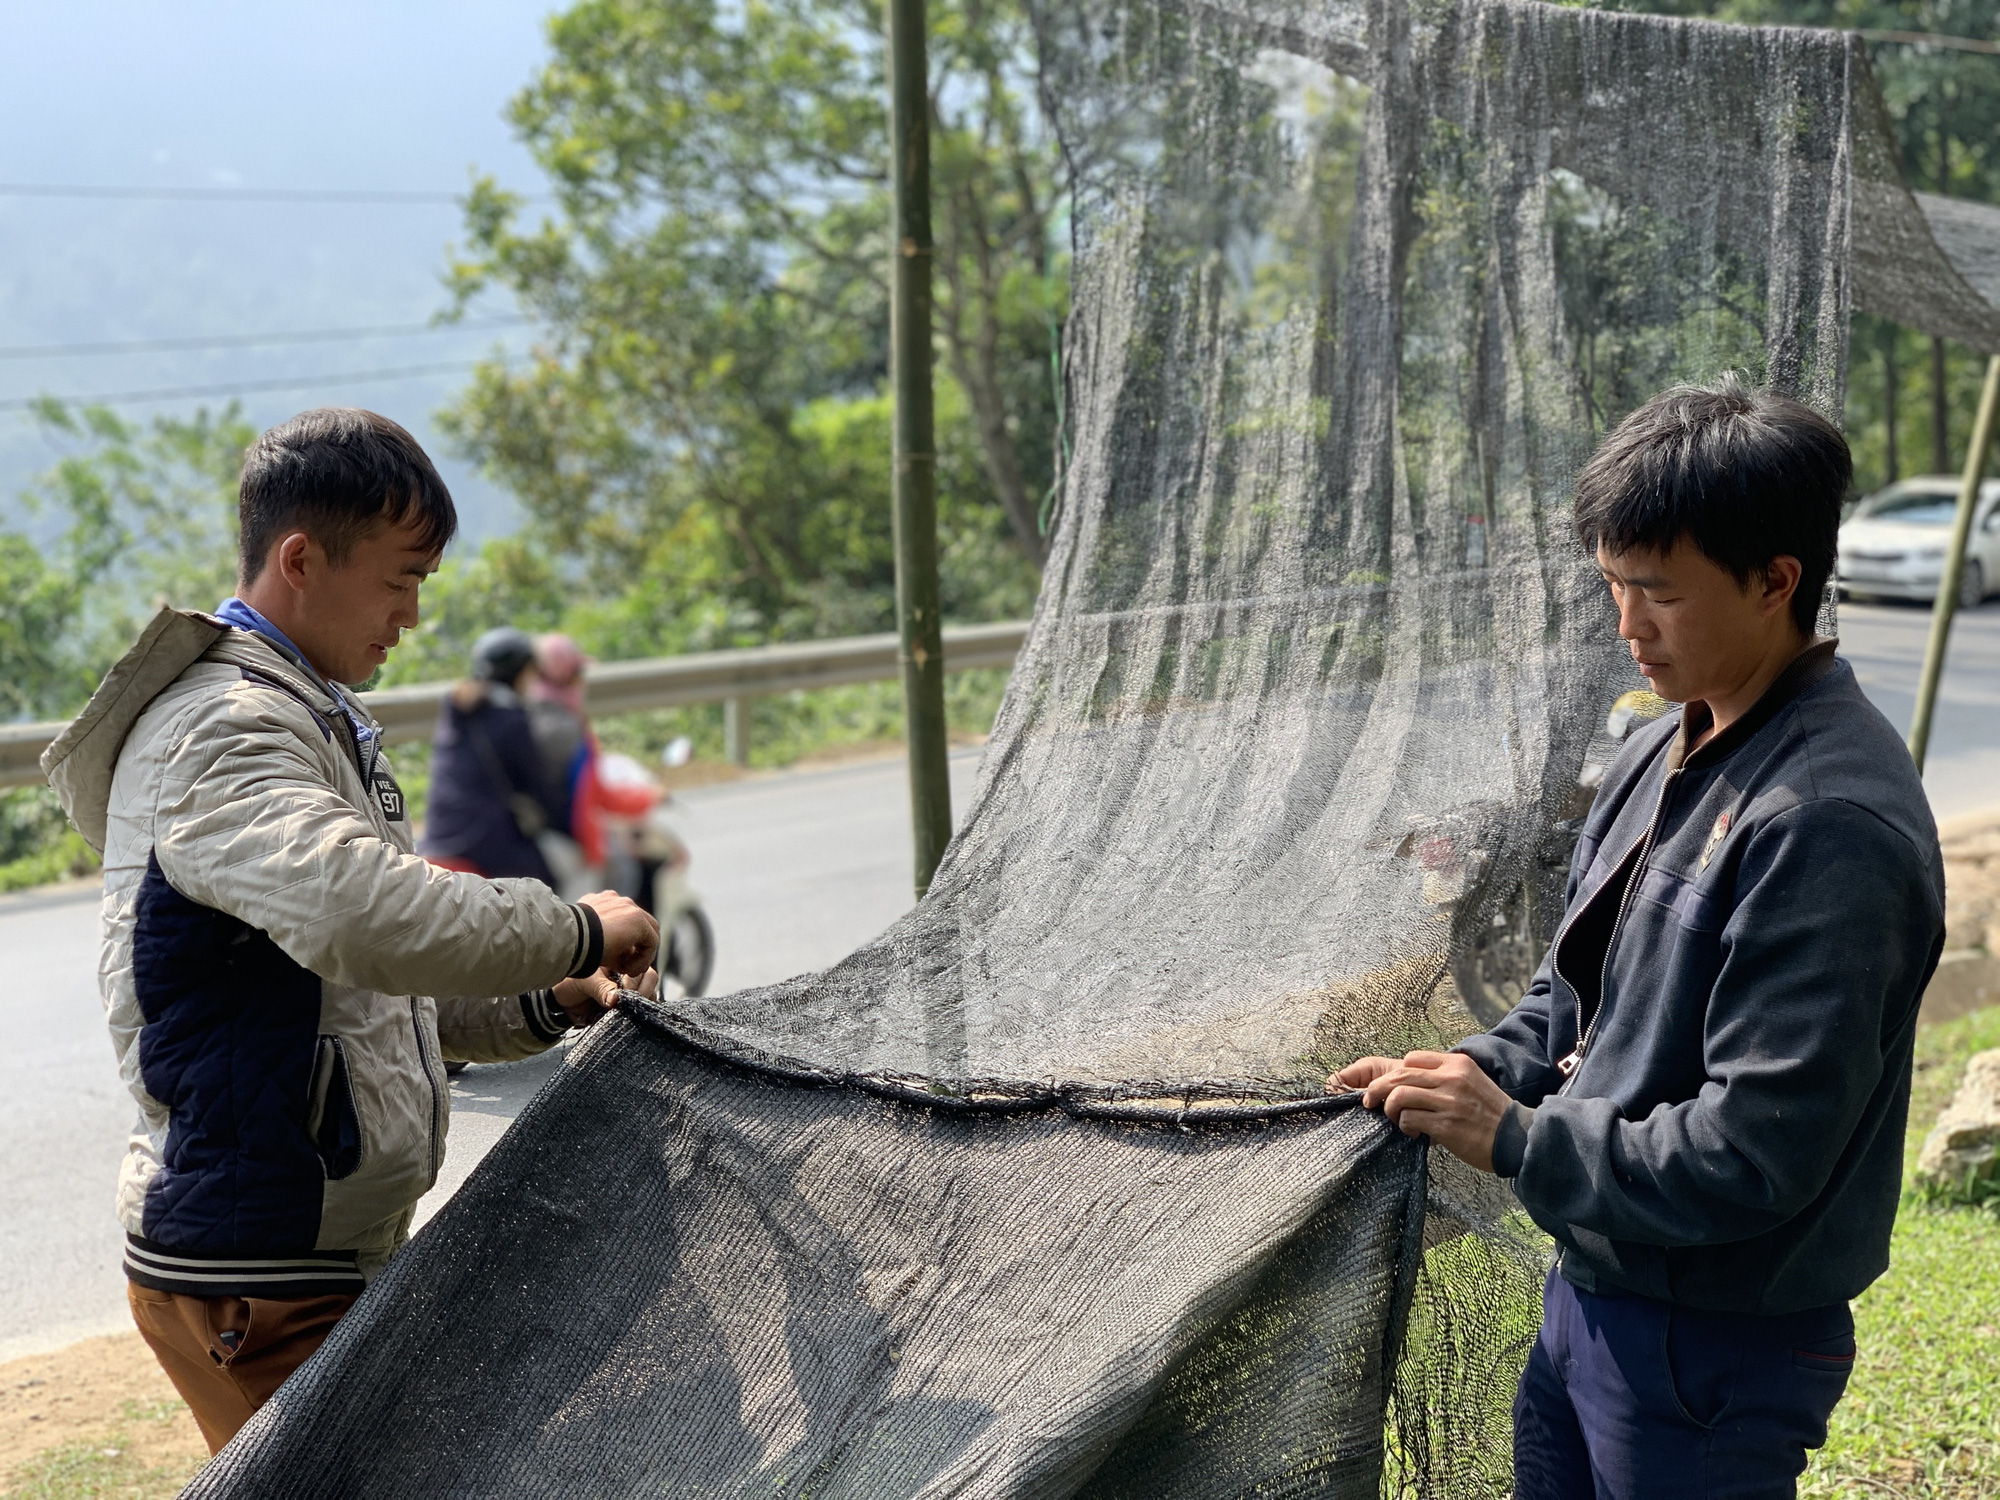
(736,730)
(1951,580)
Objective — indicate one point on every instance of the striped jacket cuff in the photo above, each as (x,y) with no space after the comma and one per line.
(546,1019)
(589,955)
(318,1274)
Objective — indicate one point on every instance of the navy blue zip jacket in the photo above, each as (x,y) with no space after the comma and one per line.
(481,757)
(1712,1067)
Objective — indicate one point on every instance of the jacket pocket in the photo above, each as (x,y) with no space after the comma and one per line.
(332,1121)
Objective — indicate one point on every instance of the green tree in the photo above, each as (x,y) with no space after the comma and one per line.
(714,293)
(148,516)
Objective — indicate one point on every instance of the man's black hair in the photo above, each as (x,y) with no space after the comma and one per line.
(338,474)
(1745,475)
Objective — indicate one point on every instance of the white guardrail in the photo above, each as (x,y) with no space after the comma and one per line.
(731,678)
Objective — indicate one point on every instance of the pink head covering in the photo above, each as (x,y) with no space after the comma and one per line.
(559,664)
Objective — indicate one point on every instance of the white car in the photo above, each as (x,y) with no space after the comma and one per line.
(1893,544)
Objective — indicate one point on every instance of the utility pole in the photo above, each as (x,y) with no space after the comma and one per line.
(1950,580)
(915,477)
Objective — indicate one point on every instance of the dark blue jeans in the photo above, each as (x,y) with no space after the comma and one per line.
(1626,1398)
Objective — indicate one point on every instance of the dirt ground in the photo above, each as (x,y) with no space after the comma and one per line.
(48,1400)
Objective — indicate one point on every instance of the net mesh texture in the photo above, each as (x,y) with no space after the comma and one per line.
(1039,1194)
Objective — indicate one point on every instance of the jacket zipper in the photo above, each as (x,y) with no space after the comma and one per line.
(1570,1066)
(364,766)
(1573,1064)
(430,1077)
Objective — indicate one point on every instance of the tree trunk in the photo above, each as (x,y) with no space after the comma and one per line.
(1940,407)
(1890,393)
(1940,412)
(997,455)
(975,361)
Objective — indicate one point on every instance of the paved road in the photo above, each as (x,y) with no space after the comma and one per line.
(1886,644)
(795,871)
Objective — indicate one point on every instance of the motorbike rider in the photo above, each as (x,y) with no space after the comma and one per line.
(491,797)
(572,760)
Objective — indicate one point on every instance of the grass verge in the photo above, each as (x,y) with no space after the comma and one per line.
(117,1464)
(65,857)
(1921,1420)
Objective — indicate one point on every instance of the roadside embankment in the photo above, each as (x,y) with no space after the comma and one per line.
(1968,976)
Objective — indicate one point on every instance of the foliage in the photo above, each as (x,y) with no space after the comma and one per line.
(148,515)
(37,602)
(680,596)
(796,725)
(64,856)
(1910,398)
(1892,407)
(1641,305)
(37,845)
(29,818)
(701,444)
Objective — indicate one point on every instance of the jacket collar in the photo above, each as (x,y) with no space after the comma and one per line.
(1805,669)
(251,650)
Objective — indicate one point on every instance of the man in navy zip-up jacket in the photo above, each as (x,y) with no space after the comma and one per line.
(1702,1096)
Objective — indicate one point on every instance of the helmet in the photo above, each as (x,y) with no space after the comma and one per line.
(501,655)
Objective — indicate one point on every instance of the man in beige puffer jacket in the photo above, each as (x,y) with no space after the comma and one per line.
(283,976)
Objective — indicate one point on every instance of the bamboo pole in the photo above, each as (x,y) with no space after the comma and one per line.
(1950,580)
(915,475)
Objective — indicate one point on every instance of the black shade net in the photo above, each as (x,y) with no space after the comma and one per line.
(1039,1194)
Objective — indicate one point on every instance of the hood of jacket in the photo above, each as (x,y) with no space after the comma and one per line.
(80,763)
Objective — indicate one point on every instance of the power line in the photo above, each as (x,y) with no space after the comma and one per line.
(240,387)
(230,195)
(246,340)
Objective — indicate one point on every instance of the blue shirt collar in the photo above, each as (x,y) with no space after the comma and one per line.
(233,611)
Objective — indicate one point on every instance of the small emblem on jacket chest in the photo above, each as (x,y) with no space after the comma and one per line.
(390,797)
(1715,837)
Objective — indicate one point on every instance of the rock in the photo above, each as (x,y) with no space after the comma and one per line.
(1967,979)
(1961,1156)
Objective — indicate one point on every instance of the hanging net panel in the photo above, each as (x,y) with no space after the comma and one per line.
(1039,1194)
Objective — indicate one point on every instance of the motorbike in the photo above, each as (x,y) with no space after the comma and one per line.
(647,860)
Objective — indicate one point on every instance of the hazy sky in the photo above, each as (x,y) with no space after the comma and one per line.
(206,93)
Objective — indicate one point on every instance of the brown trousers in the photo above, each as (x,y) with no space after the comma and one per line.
(224,1380)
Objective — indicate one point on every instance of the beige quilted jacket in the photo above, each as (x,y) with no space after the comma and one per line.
(283,976)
